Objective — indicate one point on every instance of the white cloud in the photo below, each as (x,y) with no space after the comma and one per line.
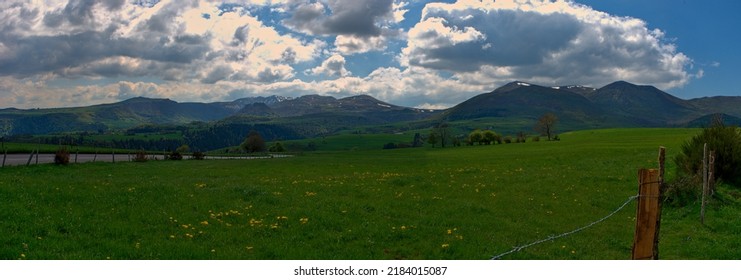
(541,41)
(171,40)
(351,44)
(400,11)
(334,66)
(195,50)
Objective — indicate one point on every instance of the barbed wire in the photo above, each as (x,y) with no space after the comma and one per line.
(553,237)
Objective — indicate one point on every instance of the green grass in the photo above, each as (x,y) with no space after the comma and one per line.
(352,142)
(454,203)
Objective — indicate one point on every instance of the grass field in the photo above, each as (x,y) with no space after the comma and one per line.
(454,203)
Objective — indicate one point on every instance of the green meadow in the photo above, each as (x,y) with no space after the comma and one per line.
(470,202)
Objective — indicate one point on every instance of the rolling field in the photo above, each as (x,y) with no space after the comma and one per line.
(454,203)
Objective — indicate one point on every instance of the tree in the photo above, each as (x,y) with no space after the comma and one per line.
(253,143)
(433,138)
(417,140)
(546,125)
(489,137)
(183,149)
(476,137)
(443,132)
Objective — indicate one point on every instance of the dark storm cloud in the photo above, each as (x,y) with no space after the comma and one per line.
(40,54)
(360,18)
(79,12)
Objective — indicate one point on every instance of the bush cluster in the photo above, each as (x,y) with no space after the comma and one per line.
(175,156)
(199,156)
(140,156)
(725,142)
(61,157)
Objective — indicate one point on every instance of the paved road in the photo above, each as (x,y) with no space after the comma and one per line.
(22,159)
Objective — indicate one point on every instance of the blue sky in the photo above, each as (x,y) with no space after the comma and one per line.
(706,31)
(429,54)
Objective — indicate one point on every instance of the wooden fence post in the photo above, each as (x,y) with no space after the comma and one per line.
(711,173)
(5,155)
(29,159)
(648,216)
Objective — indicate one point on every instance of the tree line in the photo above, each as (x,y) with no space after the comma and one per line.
(441,134)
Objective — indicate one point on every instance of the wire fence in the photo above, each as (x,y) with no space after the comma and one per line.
(554,237)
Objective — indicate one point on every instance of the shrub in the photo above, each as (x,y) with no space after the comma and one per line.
(683,190)
(199,155)
(521,137)
(175,156)
(725,141)
(536,139)
(507,139)
(276,148)
(140,156)
(61,157)
(389,146)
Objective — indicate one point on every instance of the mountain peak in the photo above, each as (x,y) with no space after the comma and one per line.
(512,86)
(623,85)
(140,99)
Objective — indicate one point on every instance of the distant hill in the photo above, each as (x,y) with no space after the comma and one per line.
(522,100)
(126,114)
(643,105)
(257,109)
(706,120)
(619,104)
(730,105)
(515,105)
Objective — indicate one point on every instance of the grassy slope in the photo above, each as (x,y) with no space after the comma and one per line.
(461,203)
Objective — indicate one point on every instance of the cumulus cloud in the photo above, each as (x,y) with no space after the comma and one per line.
(348,44)
(341,17)
(360,25)
(334,66)
(172,40)
(541,41)
(204,50)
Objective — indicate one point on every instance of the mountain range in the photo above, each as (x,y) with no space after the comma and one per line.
(619,104)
